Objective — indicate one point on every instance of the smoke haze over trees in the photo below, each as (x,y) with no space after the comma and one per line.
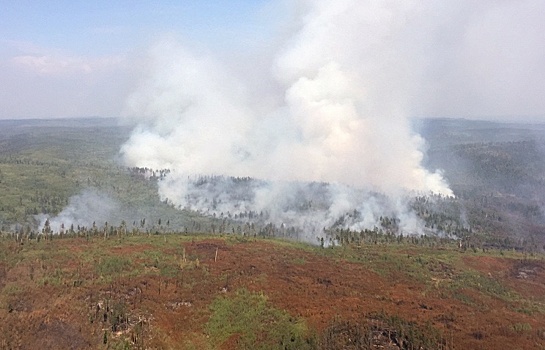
(340,113)
(322,101)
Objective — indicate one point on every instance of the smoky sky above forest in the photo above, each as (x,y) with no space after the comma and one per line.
(330,104)
(325,96)
(331,98)
(466,59)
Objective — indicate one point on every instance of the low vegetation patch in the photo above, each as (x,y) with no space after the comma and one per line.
(247,320)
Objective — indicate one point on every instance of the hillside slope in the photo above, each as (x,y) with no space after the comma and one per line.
(202,292)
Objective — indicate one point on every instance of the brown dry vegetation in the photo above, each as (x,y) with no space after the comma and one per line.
(156,292)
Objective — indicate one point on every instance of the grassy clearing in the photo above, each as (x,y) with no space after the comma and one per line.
(252,323)
(481,283)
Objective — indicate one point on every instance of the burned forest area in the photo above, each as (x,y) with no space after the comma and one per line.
(94,256)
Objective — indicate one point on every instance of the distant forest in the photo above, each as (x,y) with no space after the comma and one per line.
(496,171)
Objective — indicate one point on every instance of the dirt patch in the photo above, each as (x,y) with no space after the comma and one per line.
(524,276)
(56,334)
(3,275)
(130,249)
(489,265)
(207,251)
(528,269)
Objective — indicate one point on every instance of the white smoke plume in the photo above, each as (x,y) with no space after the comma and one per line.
(343,88)
(308,207)
(83,210)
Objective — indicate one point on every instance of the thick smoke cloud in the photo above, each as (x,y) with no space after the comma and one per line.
(343,115)
(344,85)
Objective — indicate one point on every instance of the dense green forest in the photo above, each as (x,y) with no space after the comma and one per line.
(45,162)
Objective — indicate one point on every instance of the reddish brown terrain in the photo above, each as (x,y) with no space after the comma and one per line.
(156,292)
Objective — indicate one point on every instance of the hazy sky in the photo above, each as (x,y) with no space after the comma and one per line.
(476,59)
(82,58)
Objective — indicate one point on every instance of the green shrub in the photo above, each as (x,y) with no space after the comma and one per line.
(112,265)
(255,324)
